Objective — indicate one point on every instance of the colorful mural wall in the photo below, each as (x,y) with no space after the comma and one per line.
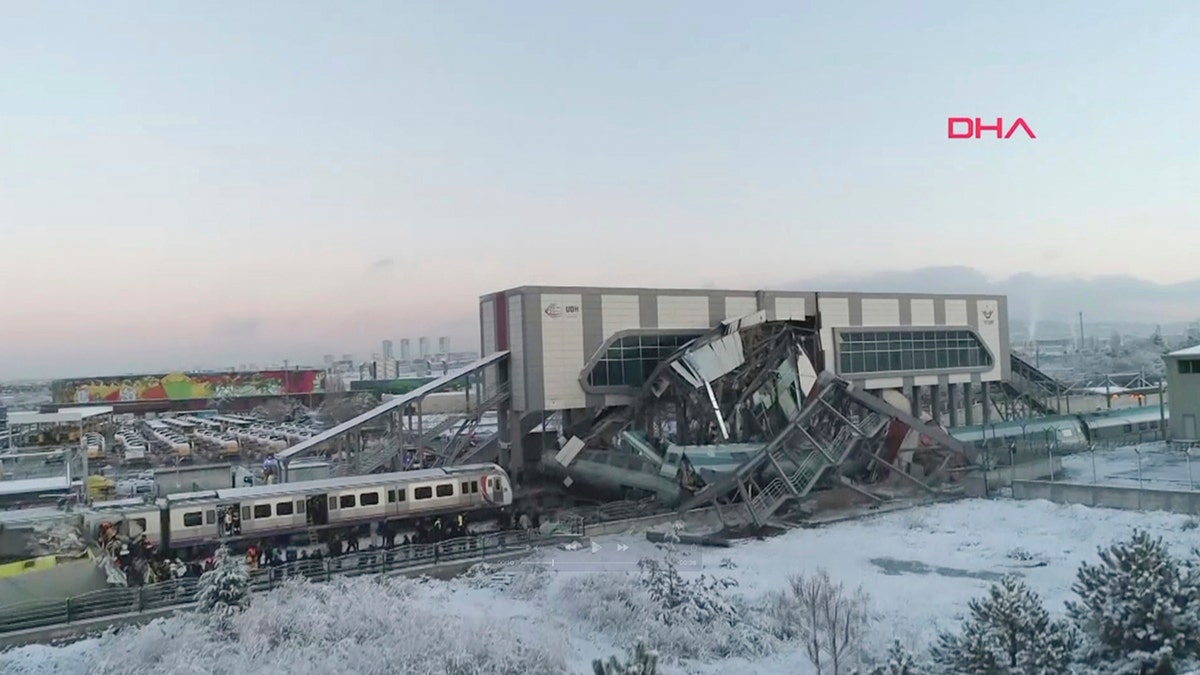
(186,386)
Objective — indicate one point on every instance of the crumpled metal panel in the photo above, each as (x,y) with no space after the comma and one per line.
(714,359)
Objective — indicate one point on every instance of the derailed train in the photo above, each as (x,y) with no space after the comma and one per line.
(1069,433)
(194,520)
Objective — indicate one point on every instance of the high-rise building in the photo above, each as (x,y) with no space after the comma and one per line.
(405,349)
(388,355)
(443,345)
(423,347)
(328,360)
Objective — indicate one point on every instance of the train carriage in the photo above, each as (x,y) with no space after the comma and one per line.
(198,518)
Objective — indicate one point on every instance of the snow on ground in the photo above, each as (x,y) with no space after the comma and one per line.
(1160,468)
(564,608)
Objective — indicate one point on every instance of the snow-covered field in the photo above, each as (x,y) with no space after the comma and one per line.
(1160,468)
(920,568)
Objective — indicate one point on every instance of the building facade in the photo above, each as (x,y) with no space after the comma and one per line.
(586,347)
(1183,398)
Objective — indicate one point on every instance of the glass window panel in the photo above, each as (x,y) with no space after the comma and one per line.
(871,364)
(846,366)
(856,363)
(614,373)
(631,374)
(906,360)
(894,361)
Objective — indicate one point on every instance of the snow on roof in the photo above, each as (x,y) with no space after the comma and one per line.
(30,485)
(63,416)
(1190,351)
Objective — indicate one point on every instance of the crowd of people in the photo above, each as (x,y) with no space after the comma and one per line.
(143,563)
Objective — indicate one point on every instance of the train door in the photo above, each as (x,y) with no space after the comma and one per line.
(231,517)
(316,510)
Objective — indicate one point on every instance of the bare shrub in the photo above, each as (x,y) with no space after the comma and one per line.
(829,620)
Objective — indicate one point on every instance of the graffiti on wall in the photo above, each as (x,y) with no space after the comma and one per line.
(186,386)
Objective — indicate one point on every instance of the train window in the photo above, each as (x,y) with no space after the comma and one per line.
(1154,425)
(346,501)
(424,492)
(137,526)
(445,490)
(466,488)
(245,513)
(262,510)
(368,499)
(210,517)
(284,509)
(1128,428)
(400,495)
(391,496)
(192,519)
(474,487)
(1142,426)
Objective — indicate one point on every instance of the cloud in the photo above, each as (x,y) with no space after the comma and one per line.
(382,265)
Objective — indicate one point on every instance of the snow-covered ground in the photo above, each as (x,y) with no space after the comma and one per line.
(1160,468)
(557,612)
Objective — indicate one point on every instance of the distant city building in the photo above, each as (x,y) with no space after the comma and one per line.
(405,350)
(329,360)
(443,345)
(388,354)
(347,357)
(423,347)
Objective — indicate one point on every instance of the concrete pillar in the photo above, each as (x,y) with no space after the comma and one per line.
(985,399)
(935,402)
(914,400)
(952,402)
(516,450)
(968,391)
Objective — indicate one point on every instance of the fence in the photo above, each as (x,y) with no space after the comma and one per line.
(177,593)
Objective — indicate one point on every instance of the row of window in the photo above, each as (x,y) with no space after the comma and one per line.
(861,352)
(362,499)
(631,360)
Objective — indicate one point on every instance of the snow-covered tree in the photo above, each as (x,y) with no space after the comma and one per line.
(1008,632)
(899,661)
(830,620)
(1139,609)
(642,661)
(225,589)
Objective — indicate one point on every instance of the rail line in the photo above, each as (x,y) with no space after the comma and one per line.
(36,621)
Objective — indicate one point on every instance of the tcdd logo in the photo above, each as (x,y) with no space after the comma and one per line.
(553,310)
(974,128)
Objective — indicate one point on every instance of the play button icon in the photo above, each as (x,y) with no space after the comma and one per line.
(595,547)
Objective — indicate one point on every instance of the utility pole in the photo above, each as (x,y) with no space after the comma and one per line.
(1081,331)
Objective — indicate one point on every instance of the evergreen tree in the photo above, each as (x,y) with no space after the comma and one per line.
(1008,632)
(225,589)
(1139,609)
(642,661)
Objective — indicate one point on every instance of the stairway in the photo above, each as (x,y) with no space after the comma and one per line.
(835,421)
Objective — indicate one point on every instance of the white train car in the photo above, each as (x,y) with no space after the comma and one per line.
(198,518)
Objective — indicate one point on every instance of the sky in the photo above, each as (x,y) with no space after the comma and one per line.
(190,184)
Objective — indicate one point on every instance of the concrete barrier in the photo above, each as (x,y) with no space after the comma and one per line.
(1109,496)
(981,483)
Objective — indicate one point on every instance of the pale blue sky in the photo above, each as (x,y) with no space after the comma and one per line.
(200,183)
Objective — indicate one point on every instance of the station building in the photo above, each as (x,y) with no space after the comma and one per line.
(580,348)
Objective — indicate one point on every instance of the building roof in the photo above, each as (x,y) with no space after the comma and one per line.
(34,485)
(1190,351)
(63,416)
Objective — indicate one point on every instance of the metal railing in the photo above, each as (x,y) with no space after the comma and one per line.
(182,592)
